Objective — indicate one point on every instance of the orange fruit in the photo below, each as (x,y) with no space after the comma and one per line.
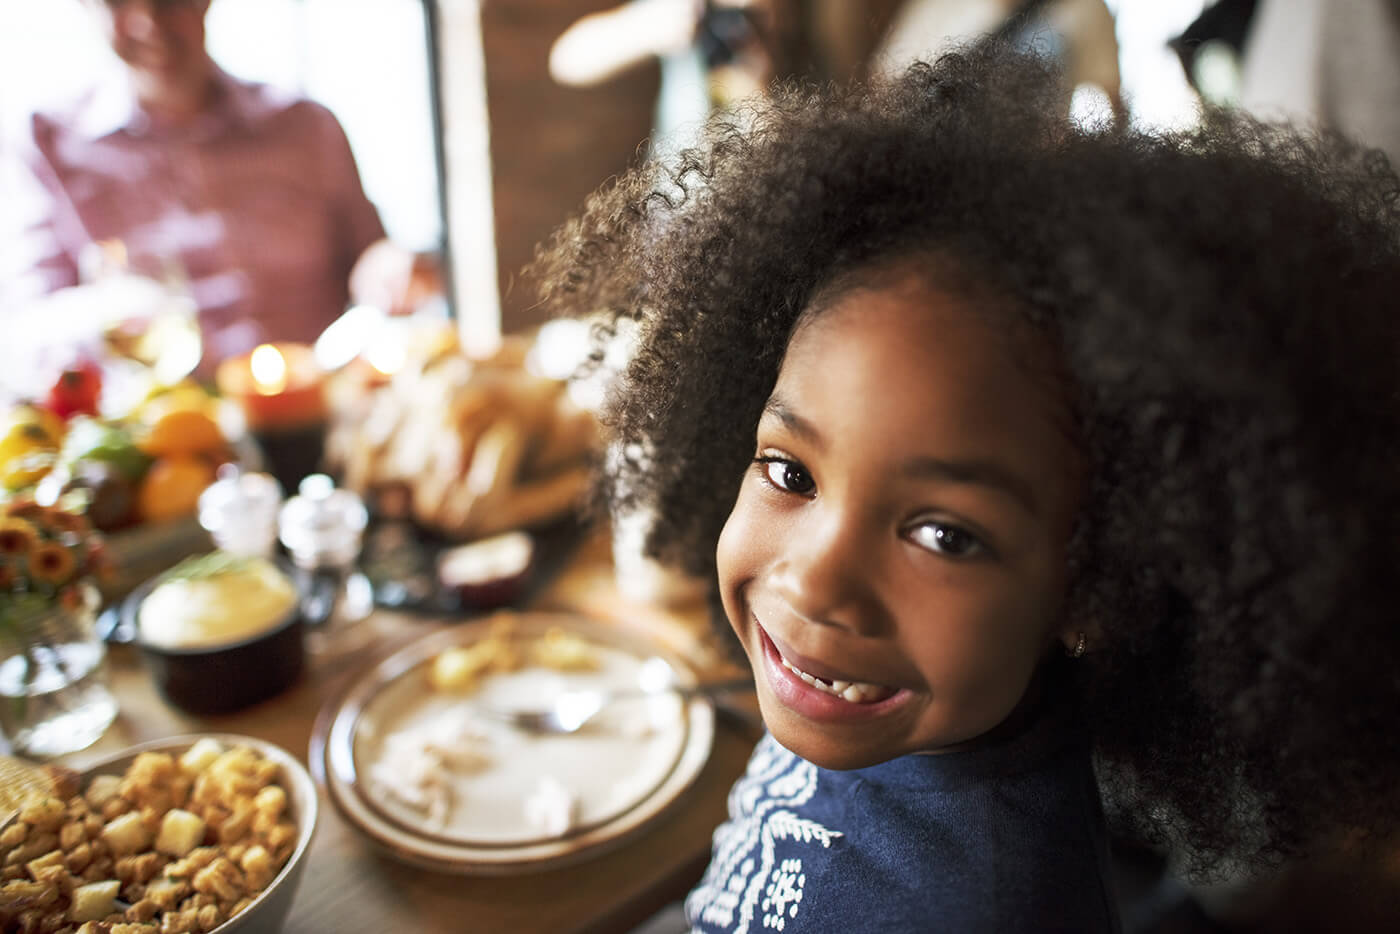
(182,431)
(172,486)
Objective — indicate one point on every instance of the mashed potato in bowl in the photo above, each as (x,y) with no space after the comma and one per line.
(215,600)
(217,632)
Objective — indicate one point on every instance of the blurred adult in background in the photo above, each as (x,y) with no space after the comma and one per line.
(834,40)
(1334,64)
(1331,62)
(245,196)
(1077,34)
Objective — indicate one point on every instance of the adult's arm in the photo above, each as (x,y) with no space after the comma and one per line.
(357,222)
(379,272)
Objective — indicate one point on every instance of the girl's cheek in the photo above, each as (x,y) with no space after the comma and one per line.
(739,554)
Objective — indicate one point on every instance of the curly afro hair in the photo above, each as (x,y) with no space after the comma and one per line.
(1224,303)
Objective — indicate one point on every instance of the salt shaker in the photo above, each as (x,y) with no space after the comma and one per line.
(239,511)
(322,528)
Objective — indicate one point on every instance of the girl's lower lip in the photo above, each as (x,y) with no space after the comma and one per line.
(814,704)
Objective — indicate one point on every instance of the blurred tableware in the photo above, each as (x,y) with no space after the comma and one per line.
(322,528)
(281,391)
(269,908)
(510,802)
(488,573)
(239,510)
(53,676)
(279,386)
(224,676)
(571,711)
(167,340)
(135,322)
(53,680)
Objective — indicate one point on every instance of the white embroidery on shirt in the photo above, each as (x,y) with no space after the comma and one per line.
(783,894)
(737,887)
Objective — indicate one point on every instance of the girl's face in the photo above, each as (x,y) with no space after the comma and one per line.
(895,562)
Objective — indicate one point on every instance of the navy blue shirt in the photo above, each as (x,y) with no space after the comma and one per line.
(1005,836)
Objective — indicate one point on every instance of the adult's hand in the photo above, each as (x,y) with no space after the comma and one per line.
(393,279)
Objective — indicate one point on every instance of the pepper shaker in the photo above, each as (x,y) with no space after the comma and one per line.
(322,528)
(239,511)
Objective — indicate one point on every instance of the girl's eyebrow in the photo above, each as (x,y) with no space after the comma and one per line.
(974,472)
(793,422)
(983,473)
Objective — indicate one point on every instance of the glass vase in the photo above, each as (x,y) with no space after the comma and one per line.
(53,677)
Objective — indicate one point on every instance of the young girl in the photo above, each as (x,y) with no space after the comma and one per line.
(1030,462)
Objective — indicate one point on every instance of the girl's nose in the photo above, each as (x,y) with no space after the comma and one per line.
(825,572)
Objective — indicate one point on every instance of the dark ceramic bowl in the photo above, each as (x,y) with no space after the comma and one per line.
(223,678)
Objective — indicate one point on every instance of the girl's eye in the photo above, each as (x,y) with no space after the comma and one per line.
(787,475)
(945,539)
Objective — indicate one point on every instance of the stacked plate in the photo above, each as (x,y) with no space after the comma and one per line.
(434,780)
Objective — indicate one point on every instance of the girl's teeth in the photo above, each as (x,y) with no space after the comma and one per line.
(853,692)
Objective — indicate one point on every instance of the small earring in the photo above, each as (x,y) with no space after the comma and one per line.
(1079,646)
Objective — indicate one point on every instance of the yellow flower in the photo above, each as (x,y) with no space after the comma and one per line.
(50,562)
(17,537)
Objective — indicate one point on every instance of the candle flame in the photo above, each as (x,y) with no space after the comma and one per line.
(269,370)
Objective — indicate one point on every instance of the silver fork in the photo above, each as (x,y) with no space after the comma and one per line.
(570,711)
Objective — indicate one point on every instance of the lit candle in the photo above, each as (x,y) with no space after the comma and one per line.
(269,369)
(280,387)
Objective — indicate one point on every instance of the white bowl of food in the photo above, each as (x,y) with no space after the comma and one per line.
(192,833)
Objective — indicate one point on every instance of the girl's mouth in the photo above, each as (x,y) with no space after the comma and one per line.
(825,696)
(852,692)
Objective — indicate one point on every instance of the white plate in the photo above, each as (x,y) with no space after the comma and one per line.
(621,772)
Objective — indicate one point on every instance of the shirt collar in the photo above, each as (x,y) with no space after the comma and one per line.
(112,107)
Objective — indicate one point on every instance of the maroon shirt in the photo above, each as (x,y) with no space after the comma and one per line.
(257,204)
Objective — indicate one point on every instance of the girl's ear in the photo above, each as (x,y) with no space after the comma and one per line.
(1075,641)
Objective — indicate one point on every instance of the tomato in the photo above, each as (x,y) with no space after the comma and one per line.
(76,390)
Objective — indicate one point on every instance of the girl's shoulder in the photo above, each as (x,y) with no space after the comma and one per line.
(900,845)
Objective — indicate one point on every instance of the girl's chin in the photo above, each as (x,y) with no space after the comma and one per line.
(827,752)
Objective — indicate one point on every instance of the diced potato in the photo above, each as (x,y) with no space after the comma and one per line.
(167,891)
(257,866)
(21,893)
(94,901)
(44,813)
(271,800)
(143,910)
(126,834)
(102,789)
(199,756)
(13,835)
(49,859)
(180,832)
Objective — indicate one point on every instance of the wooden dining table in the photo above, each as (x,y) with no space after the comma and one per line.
(351,886)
